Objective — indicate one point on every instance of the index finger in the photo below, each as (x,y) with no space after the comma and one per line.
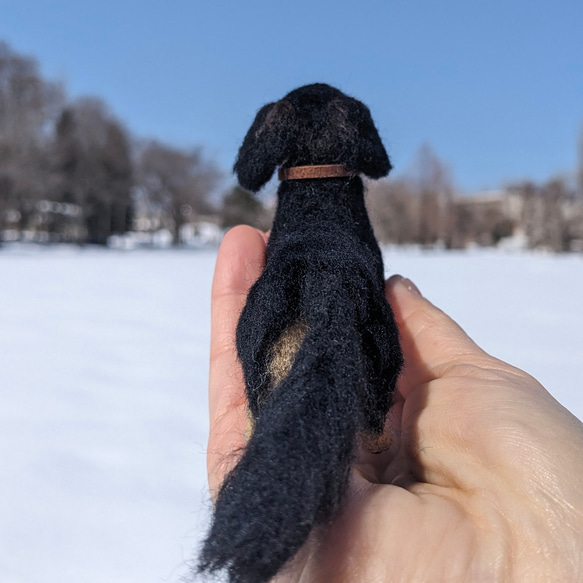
(239,263)
(433,344)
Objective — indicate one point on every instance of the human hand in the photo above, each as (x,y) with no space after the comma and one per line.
(484,477)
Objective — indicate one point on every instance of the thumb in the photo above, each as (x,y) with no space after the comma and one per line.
(432,342)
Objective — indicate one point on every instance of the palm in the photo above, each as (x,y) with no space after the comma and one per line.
(447,502)
(389,533)
(394,527)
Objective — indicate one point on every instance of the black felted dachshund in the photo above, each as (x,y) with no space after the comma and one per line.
(316,339)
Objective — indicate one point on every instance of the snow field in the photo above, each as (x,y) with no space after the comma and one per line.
(103,388)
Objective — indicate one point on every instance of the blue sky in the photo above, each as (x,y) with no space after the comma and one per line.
(495,87)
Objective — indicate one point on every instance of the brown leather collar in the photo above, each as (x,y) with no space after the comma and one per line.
(322,171)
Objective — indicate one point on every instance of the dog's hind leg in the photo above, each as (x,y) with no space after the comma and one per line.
(383,361)
(269,333)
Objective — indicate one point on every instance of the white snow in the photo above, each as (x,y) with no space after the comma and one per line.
(103,402)
(525,308)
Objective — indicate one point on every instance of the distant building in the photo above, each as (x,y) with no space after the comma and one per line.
(527,216)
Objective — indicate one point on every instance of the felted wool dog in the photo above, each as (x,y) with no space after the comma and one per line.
(316,339)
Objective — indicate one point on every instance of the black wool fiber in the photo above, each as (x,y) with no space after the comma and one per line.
(324,270)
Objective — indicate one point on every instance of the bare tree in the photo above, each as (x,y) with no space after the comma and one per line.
(580,166)
(417,208)
(174,183)
(393,210)
(480,219)
(554,196)
(435,193)
(544,215)
(575,219)
(241,207)
(29,106)
(532,218)
(93,169)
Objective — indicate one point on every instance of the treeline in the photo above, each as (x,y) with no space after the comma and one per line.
(71,172)
(423,209)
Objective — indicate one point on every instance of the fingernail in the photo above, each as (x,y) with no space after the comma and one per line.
(411,286)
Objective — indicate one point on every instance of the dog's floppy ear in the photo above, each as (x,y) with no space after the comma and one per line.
(373,159)
(265,145)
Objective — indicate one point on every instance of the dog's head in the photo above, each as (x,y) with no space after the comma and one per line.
(315,124)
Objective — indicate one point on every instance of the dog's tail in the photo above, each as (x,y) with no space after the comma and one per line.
(296,465)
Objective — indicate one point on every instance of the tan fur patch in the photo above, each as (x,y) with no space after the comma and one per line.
(284,351)
(374,443)
(283,355)
(249,426)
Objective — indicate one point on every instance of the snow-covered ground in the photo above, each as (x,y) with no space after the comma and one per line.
(103,403)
